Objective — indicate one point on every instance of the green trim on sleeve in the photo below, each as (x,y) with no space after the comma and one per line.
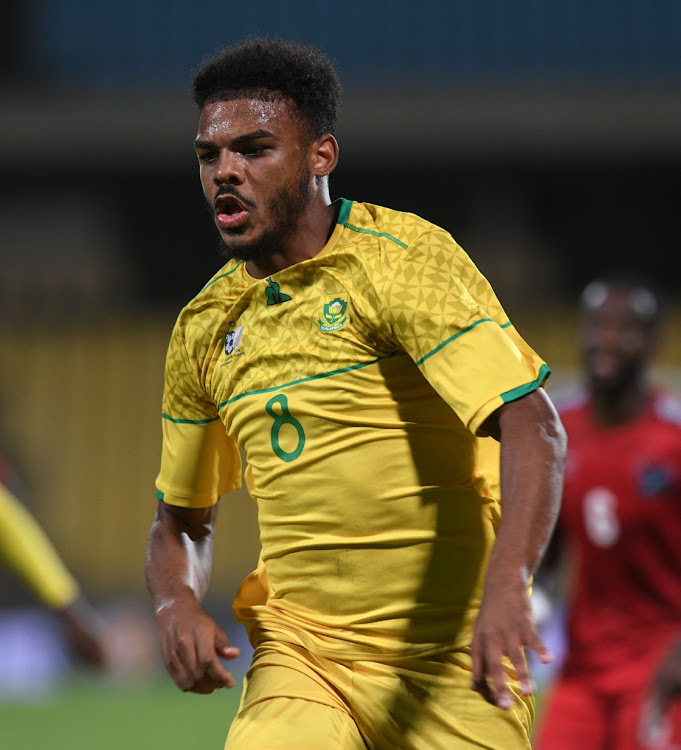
(523,390)
(160,496)
(419,362)
(188,421)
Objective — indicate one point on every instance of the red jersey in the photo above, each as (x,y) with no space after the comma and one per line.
(621,515)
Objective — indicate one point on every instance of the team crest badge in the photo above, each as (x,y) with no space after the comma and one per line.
(334,312)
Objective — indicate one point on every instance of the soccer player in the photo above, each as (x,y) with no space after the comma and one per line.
(362,362)
(621,522)
(27,550)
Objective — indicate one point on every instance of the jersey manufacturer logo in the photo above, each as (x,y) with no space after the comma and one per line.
(333,312)
(274,295)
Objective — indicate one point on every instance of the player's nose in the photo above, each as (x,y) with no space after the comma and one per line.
(228,168)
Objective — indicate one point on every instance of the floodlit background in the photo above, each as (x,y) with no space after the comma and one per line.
(546,136)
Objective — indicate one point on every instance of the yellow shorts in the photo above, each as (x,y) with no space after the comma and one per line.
(293,700)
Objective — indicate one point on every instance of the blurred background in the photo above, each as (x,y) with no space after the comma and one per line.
(545,136)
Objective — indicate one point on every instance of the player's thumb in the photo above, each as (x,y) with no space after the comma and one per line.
(223,647)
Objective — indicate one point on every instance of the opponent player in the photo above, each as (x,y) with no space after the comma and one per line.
(621,520)
(27,550)
(359,358)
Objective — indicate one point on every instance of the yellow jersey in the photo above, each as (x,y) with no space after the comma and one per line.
(24,546)
(356,382)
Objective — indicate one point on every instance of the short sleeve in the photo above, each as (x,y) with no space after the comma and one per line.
(444,314)
(199,462)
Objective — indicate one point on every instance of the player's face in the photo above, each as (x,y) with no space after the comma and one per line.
(254,169)
(617,340)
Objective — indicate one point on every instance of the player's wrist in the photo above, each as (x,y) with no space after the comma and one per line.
(506,575)
(179,602)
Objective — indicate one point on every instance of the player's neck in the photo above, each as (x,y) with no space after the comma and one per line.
(309,237)
(617,406)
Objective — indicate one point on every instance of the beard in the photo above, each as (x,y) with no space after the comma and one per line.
(626,375)
(284,211)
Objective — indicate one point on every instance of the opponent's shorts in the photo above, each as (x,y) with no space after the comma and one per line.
(293,700)
(580,714)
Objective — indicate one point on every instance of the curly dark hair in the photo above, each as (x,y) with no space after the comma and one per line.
(271,69)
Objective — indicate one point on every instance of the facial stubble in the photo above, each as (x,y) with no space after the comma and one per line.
(285,210)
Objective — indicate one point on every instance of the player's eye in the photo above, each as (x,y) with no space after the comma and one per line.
(207,156)
(253,150)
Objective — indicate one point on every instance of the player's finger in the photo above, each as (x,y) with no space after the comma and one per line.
(496,674)
(213,669)
(216,674)
(187,649)
(516,654)
(534,641)
(177,670)
(171,657)
(477,664)
(223,647)
(210,666)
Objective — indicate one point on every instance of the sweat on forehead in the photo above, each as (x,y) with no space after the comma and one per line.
(263,97)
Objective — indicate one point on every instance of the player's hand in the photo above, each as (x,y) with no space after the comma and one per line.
(664,689)
(192,645)
(86,632)
(504,628)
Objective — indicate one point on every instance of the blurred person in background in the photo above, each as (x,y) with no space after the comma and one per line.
(26,549)
(361,360)
(619,532)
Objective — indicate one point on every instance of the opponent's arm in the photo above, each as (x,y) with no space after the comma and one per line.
(663,691)
(533,445)
(178,569)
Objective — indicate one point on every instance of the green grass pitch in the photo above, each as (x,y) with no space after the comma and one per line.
(93,715)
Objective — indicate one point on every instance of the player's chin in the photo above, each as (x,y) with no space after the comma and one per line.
(235,246)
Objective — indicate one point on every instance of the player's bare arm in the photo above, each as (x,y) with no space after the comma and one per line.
(86,631)
(178,569)
(664,689)
(533,445)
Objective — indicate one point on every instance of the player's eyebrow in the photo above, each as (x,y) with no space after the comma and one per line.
(253,136)
(200,144)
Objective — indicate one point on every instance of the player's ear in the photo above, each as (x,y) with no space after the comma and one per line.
(324,155)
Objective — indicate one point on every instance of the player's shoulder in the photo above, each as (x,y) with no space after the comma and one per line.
(667,407)
(401,229)
(227,282)
(394,244)
(208,303)
(223,285)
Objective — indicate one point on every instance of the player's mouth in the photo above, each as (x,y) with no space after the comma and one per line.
(603,364)
(230,212)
